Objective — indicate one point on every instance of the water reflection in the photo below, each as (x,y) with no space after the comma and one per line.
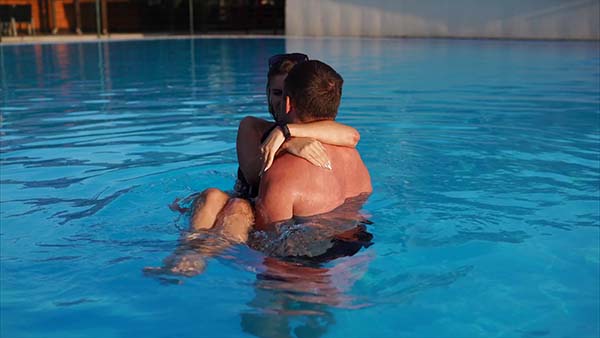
(3,79)
(104,66)
(296,300)
(193,67)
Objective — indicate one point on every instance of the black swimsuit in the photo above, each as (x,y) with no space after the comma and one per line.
(242,187)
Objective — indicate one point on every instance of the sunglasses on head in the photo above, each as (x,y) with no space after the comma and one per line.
(296,57)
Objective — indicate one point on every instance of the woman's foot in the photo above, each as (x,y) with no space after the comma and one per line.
(189,264)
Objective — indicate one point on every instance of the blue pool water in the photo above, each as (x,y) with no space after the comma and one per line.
(485,164)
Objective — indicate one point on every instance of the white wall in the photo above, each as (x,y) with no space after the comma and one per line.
(537,19)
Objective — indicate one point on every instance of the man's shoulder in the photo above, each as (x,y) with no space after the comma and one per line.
(291,166)
(288,174)
(340,149)
(289,171)
(344,155)
(286,167)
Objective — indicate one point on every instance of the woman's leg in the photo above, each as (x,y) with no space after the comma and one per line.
(231,227)
(206,207)
(236,220)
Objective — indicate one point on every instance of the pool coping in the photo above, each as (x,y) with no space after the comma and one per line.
(59,39)
(52,39)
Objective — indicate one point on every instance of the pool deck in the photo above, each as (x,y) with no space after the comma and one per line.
(49,39)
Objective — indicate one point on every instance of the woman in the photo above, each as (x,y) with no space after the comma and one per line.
(257,145)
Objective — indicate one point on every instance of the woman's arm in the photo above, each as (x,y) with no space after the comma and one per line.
(329,132)
(249,153)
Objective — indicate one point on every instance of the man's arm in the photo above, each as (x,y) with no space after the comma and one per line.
(276,196)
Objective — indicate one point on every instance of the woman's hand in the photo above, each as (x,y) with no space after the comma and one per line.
(304,147)
(188,264)
(310,150)
(269,148)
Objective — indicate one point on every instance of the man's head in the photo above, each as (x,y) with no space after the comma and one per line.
(314,90)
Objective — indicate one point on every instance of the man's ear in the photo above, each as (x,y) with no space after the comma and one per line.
(288,105)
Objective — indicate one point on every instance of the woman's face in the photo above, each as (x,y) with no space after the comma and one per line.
(275,93)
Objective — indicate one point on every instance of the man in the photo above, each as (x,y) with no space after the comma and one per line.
(306,142)
(293,187)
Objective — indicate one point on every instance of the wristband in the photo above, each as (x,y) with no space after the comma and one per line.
(285,130)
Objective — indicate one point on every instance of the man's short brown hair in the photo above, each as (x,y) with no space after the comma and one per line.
(315,90)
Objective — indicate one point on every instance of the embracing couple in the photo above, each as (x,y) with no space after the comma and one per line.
(304,164)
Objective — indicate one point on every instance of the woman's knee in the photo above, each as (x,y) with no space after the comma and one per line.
(214,194)
(238,211)
(239,205)
(237,219)
(209,199)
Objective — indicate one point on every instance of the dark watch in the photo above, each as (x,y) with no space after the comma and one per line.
(285,130)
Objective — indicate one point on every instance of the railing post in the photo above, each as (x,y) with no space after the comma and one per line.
(77,16)
(54,24)
(104,17)
(98,18)
(191,4)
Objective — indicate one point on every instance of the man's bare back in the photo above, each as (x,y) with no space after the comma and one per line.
(294,187)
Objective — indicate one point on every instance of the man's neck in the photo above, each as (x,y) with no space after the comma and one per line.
(292,117)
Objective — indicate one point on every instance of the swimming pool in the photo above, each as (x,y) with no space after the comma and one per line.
(485,164)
